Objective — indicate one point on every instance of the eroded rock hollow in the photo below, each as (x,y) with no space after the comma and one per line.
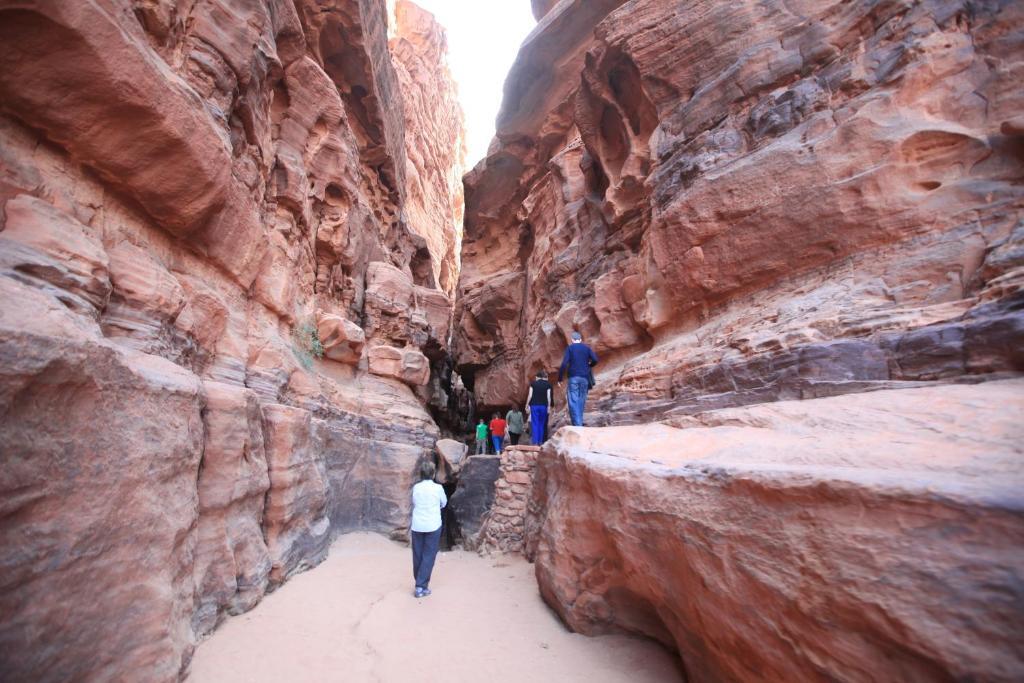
(229,238)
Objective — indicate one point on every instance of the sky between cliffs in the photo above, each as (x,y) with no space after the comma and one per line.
(483,39)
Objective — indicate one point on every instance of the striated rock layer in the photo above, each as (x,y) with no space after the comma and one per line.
(862,537)
(197,202)
(748,202)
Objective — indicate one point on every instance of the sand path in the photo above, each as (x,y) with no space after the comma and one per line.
(354,619)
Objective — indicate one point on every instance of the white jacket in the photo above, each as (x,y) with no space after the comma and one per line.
(427,500)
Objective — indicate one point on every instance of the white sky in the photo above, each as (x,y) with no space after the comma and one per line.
(483,39)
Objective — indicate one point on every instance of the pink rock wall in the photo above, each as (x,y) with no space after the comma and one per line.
(746,202)
(193,197)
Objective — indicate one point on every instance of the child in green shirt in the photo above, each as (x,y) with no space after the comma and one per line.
(481,438)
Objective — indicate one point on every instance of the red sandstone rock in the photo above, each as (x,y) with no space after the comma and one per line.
(866,537)
(232,563)
(295,520)
(731,217)
(101,451)
(183,188)
(205,316)
(372,464)
(342,339)
(407,365)
(436,154)
(44,244)
(541,7)
(451,456)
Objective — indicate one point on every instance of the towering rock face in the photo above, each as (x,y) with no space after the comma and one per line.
(198,201)
(745,202)
(435,156)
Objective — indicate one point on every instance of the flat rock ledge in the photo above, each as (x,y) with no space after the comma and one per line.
(876,536)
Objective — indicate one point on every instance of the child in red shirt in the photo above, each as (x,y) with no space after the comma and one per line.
(497,432)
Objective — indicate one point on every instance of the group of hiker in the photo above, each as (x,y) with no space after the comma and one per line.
(428,497)
(577,363)
(510,427)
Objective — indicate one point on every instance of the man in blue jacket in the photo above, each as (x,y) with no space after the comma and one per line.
(578,360)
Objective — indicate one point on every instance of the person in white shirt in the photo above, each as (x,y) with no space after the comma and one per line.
(427,500)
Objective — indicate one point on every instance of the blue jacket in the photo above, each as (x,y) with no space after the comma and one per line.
(578,359)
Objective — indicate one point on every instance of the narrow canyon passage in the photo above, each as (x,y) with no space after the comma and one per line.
(354,619)
(251,285)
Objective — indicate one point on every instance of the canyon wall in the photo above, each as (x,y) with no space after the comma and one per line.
(435,153)
(228,234)
(748,202)
(793,232)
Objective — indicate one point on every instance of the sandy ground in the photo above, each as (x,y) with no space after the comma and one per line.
(354,619)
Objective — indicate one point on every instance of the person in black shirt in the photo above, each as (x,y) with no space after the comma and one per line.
(538,401)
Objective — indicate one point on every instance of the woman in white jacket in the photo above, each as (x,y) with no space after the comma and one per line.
(427,500)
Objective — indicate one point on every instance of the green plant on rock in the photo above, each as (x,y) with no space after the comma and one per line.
(306,344)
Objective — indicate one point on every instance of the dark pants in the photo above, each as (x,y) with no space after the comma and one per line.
(538,424)
(513,438)
(424,551)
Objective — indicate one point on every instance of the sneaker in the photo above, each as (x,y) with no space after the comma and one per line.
(424,592)
(419,593)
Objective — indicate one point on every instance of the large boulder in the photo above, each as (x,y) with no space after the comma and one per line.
(407,365)
(875,536)
(451,456)
(475,495)
(341,338)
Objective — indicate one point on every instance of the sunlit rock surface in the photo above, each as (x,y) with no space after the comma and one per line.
(747,202)
(435,154)
(195,198)
(875,536)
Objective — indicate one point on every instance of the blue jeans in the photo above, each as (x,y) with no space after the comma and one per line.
(579,387)
(538,423)
(496,440)
(424,551)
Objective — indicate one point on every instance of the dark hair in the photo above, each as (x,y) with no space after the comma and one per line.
(542,374)
(427,470)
